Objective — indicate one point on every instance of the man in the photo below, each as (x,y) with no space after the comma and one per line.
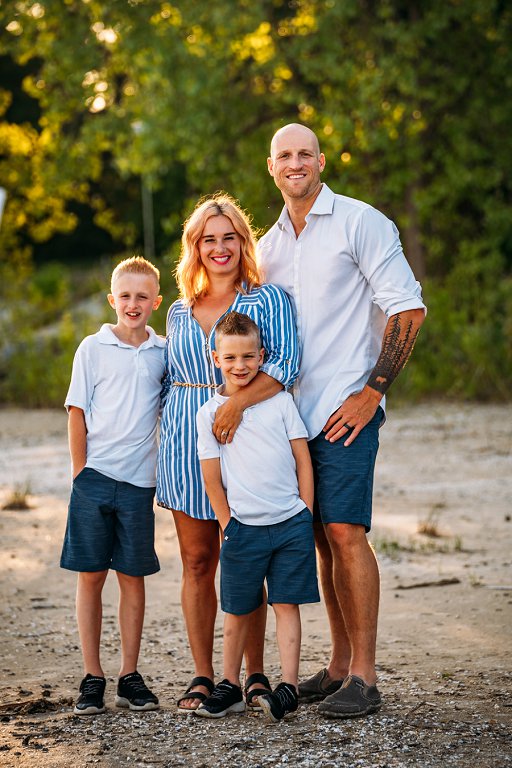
(359,311)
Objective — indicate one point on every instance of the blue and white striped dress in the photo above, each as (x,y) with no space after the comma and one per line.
(189,360)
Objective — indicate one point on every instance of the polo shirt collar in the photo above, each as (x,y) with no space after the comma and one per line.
(107,336)
(323,206)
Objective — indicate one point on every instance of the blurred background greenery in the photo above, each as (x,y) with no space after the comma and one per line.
(114,106)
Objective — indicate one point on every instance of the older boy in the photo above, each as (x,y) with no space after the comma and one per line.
(261,488)
(113,404)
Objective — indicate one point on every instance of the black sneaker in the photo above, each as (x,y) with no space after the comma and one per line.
(90,701)
(225,699)
(133,693)
(281,702)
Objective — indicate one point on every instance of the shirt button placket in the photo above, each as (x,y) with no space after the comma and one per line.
(298,301)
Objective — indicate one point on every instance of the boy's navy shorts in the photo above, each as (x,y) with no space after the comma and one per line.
(283,554)
(111,524)
(344,475)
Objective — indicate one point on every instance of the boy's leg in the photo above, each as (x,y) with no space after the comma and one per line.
(89,618)
(288,631)
(132,602)
(132,692)
(235,636)
(284,698)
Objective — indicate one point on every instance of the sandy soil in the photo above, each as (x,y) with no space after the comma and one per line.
(444,633)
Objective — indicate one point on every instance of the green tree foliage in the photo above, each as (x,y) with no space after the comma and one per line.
(411,102)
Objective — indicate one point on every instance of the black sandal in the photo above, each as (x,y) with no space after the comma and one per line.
(206,682)
(257,677)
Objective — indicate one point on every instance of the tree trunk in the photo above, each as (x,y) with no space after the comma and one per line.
(413,246)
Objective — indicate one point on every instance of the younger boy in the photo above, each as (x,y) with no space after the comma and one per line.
(261,489)
(113,404)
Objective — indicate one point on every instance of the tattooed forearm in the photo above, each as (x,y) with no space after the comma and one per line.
(398,343)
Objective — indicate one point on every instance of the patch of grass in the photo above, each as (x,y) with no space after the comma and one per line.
(392,548)
(389,547)
(430,526)
(18,498)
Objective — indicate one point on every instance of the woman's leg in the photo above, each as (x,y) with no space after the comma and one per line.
(199,549)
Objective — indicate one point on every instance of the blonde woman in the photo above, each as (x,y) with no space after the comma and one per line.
(216,274)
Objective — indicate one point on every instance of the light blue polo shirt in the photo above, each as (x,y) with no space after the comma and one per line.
(118,388)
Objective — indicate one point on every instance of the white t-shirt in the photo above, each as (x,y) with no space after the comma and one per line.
(118,388)
(258,468)
(346,274)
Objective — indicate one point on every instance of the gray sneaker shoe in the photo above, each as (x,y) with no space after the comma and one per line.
(316,688)
(353,699)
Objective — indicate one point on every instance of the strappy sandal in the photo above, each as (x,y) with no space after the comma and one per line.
(250,696)
(199,695)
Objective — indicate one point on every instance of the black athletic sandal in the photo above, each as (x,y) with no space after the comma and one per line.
(250,696)
(199,695)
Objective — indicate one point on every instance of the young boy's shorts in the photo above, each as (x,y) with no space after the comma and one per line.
(344,475)
(111,524)
(283,554)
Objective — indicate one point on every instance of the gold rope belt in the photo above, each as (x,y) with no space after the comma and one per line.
(195,386)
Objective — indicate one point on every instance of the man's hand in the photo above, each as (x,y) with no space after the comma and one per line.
(354,413)
(397,344)
(227,420)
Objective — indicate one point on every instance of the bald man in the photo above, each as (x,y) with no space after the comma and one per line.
(358,309)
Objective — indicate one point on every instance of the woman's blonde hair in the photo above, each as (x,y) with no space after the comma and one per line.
(191,275)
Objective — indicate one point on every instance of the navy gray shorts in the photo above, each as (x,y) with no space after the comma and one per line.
(111,524)
(283,554)
(344,475)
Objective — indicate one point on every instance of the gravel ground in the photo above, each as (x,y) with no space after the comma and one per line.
(444,634)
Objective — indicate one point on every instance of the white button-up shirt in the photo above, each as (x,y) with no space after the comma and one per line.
(346,274)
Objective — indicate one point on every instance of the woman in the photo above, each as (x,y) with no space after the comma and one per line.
(216,273)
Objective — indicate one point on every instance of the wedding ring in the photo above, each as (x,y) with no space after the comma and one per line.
(223,433)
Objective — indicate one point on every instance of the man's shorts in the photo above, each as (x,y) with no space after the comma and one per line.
(111,524)
(283,554)
(344,475)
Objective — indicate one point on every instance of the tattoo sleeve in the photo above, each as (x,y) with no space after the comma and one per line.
(397,346)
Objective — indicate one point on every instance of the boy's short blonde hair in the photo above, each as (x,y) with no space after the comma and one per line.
(237,324)
(136,265)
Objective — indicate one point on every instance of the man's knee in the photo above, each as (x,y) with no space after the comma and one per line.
(343,536)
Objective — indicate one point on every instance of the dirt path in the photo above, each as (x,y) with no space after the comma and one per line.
(444,634)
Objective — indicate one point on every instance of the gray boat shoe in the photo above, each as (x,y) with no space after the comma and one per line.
(353,699)
(316,688)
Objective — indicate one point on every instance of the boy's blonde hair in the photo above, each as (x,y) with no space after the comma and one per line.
(191,276)
(237,324)
(136,265)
